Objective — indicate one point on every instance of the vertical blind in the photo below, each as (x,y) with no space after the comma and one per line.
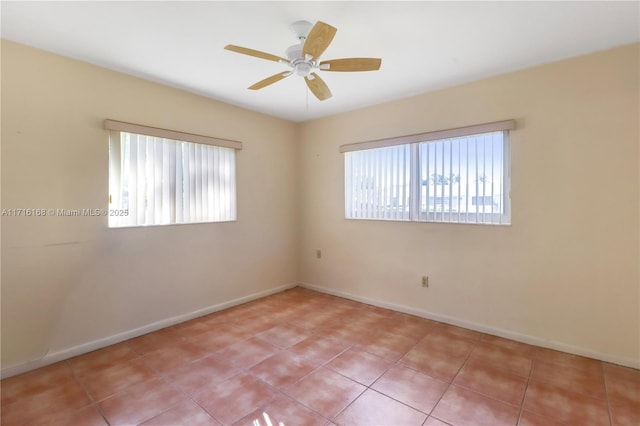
(159,181)
(378,183)
(456,180)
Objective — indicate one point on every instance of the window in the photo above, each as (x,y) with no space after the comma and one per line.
(453,176)
(157,178)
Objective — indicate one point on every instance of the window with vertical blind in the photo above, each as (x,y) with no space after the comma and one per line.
(452,176)
(156,177)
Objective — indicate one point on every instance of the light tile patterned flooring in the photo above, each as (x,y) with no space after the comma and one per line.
(304,358)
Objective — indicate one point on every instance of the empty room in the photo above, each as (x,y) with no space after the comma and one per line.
(320,213)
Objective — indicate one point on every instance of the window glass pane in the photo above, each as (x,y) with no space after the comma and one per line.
(163,181)
(378,184)
(458,180)
(462,179)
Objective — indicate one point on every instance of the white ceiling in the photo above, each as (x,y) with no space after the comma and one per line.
(424,46)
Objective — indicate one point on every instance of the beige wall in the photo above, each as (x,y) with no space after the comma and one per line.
(70,281)
(565,274)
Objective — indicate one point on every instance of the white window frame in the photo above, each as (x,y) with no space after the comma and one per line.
(410,208)
(215,205)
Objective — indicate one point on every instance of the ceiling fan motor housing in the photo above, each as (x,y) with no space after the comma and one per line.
(303,69)
(300,65)
(294,52)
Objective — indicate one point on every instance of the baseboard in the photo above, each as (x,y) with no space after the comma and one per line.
(524,338)
(61,355)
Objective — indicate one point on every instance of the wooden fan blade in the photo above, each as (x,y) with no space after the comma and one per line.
(270,80)
(318,87)
(318,39)
(352,64)
(255,53)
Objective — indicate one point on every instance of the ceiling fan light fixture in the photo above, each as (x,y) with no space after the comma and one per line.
(303,69)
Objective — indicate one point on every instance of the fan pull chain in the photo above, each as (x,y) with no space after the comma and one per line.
(307,98)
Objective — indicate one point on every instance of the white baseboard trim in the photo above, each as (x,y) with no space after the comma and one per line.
(524,338)
(63,354)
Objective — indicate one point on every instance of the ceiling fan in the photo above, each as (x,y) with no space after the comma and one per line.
(303,58)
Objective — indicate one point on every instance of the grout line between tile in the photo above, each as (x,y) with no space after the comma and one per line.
(94,403)
(526,389)
(392,364)
(606,394)
(452,380)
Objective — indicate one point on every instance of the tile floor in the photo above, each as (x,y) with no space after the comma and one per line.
(305,358)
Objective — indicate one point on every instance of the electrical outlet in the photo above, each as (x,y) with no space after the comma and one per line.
(425,281)
(319,254)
